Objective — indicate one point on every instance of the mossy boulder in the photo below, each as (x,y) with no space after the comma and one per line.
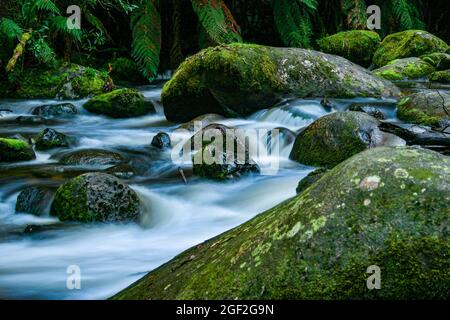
(61,110)
(34,200)
(92,157)
(439,60)
(67,81)
(12,150)
(357,46)
(440,76)
(405,69)
(120,103)
(337,136)
(309,180)
(386,207)
(124,70)
(50,138)
(239,79)
(409,43)
(95,197)
(429,107)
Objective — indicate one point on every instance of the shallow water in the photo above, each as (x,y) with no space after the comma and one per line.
(177,216)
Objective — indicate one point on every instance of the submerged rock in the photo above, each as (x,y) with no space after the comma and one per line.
(161,140)
(12,150)
(430,107)
(50,138)
(34,200)
(357,46)
(120,103)
(405,69)
(92,157)
(386,207)
(239,79)
(409,43)
(95,197)
(366,108)
(63,110)
(337,136)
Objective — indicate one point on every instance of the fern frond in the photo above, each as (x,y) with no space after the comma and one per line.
(311,4)
(146,33)
(45,5)
(59,24)
(10,29)
(95,22)
(401,10)
(355,10)
(42,51)
(217,20)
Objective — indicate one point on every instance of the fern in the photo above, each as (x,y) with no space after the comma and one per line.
(42,51)
(217,20)
(401,10)
(95,22)
(355,10)
(146,34)
(10,29)
(59,24)
(45,5)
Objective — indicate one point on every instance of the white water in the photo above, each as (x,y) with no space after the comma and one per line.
(178,216)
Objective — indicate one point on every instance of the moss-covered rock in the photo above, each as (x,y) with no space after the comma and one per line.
(239,79)
(440,76)
(95,197)
(120,103)
(439,60)
(67,81)
(61,110)
(429,107)
(405,69)
(310,179)
(124,70)
(337,136)
(34,200)
(50,138)
(357,46)
(409,43)
(15,150)
(385,206)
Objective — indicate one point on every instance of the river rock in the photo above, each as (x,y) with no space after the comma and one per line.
(62,110)
(161,140)
(34,200)
(239,79)
(409,43)
(310,179)
(405,69)
(428,107)
(337,136)
(204,120)
(386,207)
(440,76)
(12,150)
(50,138)
(120,103)
(439,60)
(92,157)
(367,108)
(95,197)
(357,46)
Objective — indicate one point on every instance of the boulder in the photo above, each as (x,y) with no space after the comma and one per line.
(409,43)
(439,60)
(384,207)
(366,108)
(50,138)
(428,107)
(239,79)
(357,46)
(310,179)
(95,197)
(161,140)
(92,157)
(120,103)
(62,110)
(34,200)
(204,120)
(440,76)
(337,136)
(12,150)
(405,69)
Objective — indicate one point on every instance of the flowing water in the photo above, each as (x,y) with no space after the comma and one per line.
(176,216)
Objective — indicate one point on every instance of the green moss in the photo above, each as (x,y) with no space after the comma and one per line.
(15,150)
(409,43)
(356,45)
(424,108)
(120,103)
(439,60)
(440,76)
(124,71)
(404,69)
(319,244)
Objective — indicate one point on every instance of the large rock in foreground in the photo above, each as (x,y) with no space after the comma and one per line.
(409,43)
(357,46)
(387,207)
(337,136)
(239,79)
(95,197)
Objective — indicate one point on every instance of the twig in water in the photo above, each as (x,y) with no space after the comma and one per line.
(182,175)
